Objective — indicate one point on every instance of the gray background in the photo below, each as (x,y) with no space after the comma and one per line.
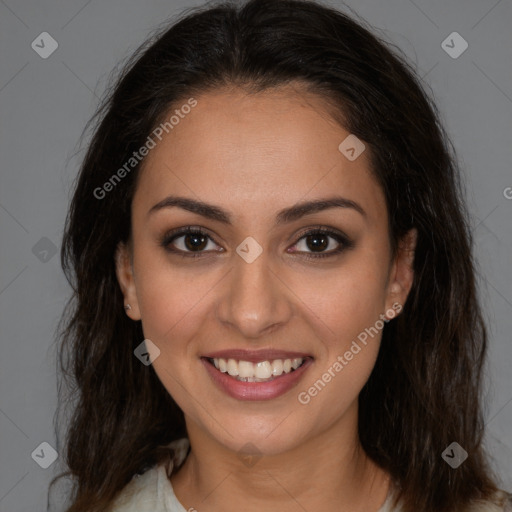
(45,104)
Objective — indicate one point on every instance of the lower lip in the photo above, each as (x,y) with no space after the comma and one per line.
(256,390)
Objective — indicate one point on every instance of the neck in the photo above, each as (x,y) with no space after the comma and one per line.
(329,471)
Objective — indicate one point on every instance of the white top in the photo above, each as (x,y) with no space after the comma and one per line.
(153,492)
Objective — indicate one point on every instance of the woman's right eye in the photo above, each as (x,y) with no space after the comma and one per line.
(189,242)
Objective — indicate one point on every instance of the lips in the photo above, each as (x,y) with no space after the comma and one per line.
(256,375)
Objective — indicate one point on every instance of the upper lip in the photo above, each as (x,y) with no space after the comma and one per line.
(255,356)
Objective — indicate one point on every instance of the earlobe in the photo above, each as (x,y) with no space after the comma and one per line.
(402,273)
(124,273)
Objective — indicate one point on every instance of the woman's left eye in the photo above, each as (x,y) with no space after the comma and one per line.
(319,240)
(315,243)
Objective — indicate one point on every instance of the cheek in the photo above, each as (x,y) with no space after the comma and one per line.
(168,296)
(351,308)
(345,301)
(172,306)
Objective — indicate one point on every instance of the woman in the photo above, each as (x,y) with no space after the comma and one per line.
(274,295)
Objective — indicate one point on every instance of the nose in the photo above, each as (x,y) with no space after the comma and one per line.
(254,300)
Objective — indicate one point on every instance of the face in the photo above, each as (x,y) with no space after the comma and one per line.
(270,283)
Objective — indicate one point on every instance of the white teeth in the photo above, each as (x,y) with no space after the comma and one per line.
(232,367)
(263,370)
(277,367)
(296,363)
(245,369)
(257,372)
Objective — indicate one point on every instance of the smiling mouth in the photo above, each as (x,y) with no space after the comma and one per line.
(261,371)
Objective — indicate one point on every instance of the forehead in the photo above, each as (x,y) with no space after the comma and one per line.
(256,153)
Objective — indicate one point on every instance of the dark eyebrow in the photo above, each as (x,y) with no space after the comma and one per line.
(290,214)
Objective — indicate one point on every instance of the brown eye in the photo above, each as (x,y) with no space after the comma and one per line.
(317,242)
(188,241)
(321,243)
(195,241)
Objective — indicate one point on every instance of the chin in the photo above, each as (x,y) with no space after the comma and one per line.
(269,437)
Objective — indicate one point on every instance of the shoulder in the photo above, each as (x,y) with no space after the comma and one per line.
(501,502)
(140,494)
(152,490)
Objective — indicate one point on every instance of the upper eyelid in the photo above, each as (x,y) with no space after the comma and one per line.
(179,232)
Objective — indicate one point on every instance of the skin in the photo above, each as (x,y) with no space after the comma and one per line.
(254,155)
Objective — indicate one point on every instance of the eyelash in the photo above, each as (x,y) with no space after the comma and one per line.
(343,240)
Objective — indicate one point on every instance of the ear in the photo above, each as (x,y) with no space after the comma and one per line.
(402,273)
(124,272)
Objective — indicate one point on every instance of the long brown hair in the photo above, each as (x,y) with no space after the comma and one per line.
(424,392)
